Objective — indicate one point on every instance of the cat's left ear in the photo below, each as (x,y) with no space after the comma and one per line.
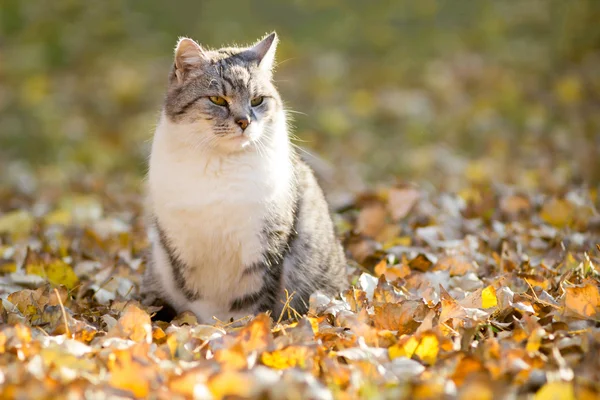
(264,51)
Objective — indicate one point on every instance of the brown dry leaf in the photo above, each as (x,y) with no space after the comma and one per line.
(456,265)
(386,293)
(450,308)
(420,263)
(361,248)
(401,200)
(399,317)
(371,219)
(515,205)
(583,299)
(26,301)
(391,272)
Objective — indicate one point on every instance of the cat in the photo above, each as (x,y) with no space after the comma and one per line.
(236,217)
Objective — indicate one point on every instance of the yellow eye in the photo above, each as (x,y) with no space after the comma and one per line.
(257,101)
(218,100)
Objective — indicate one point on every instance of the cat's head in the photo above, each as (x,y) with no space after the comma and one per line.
(225,98)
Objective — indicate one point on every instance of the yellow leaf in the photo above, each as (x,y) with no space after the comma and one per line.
(232,358)
(58,217)
(584,299)
(541,282)
(7,267)
(362,102)
(314,323)
(289,357)
(158,334)
(568,90)
(535,340)
(428,348)
(128,374)
(397,241)
(230,383)
(35,89)
(488,297)
(35,269)
(17,223)
(61,273)
(404,348)
(556,391)
(557,212)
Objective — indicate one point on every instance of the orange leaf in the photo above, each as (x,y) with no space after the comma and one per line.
(584,299)
(134,324)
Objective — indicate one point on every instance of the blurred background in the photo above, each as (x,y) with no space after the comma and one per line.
(445,92)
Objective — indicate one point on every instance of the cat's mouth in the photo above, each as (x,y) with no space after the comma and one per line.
(240,138)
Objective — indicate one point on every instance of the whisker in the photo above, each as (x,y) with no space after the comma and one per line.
(283,61)
(297,139)
(287,110)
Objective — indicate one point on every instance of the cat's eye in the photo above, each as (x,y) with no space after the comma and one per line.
(218,100)
(257,101)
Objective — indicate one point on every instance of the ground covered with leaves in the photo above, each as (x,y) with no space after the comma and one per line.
(487,293)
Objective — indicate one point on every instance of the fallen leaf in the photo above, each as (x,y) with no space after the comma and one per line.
(289,357)
(401,200)
(371,219)
(557,212)
(133,324)
(556,391)
(230,384)
(583,299)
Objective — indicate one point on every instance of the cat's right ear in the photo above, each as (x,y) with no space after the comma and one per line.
(188,55)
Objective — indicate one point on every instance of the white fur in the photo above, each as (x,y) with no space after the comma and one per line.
(212,203)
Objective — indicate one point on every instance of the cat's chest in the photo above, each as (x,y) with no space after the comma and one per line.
(215,217)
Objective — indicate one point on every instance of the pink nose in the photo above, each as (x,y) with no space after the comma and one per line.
(243,123)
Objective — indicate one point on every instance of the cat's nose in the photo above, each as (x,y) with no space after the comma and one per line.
(242,122)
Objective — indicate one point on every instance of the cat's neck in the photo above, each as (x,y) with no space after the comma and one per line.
(174,152)
(182,141)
